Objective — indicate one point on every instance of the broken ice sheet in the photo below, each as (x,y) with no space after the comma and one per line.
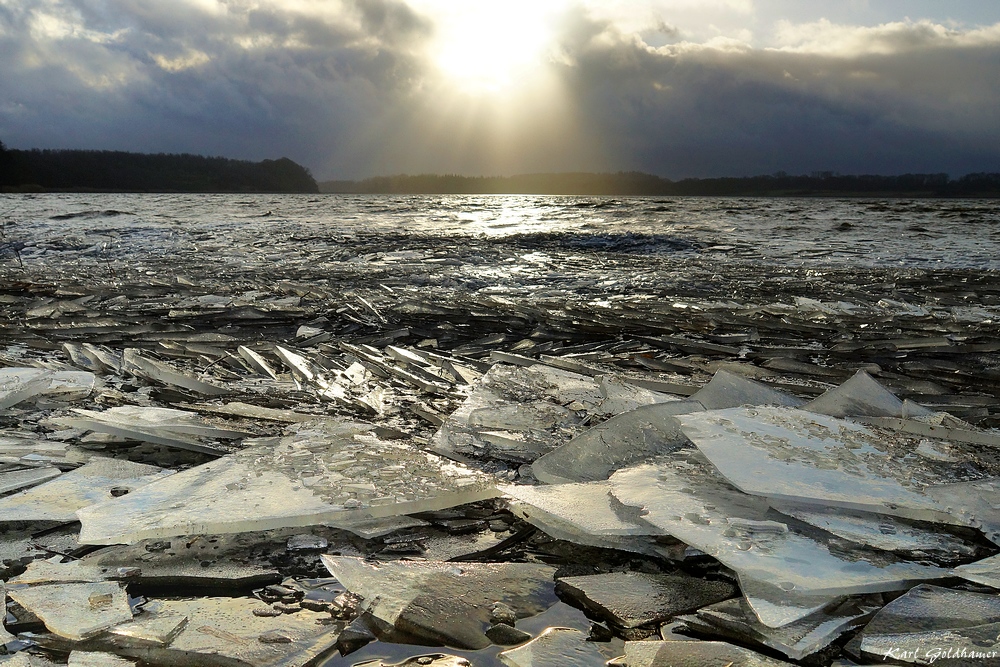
(554,648)
(861,395)
(205,561)
(163,426)
(19,479)
(60,498)
(448,603)
(97,659)
(691,654)
(5,637)
(586,513)
(20,384)
(519,413)
(596,453)
(929,621)
(75,611)
(797,456)
(153,369)
(225,632)
(686,498)
(728,390)
(631,599)
(327,471)
(986,571)
(881,531)
(733,620)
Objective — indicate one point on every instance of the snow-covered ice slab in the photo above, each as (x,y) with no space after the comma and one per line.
(519,413)
(689,500)
(326,471)
(797,456)
(76,611)
(445,602)
(930,623)
(692,654)
(728,390)
(631,599)
(60,498)
(733,620)
(586,513)
(636,435)
(556,646)
(860,396)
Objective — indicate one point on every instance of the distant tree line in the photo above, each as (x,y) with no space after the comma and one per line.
(27,170)
(637,183)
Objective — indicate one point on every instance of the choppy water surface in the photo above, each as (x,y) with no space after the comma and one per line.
(916,233)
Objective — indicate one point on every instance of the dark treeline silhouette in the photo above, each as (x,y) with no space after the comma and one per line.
(27,170)
(637,183)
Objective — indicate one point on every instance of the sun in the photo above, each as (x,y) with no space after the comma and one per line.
(489,46)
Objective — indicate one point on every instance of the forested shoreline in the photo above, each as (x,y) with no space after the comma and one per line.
(118,171)
(637,183)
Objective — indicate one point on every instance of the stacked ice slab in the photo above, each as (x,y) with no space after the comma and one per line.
(814,507)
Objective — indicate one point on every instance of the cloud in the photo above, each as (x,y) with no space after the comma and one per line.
(350,88)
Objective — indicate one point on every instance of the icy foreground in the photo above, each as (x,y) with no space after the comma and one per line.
(387,448)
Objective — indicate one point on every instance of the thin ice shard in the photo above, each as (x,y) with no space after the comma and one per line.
(155,625)
(688,500)
(733,620)
(776,608)
(636,435)
(520,413)
(586,513)
(445,602)
(5,637)
(859,396)
(797,456)
(257,362)
(880,531)
(76,611)
(691,654)
(163,372)
(985,571)
(631,599)
(929,618)
(47,572)
(21,384)
(95,482)
(327,471)
(19,479)
(163,426)
(728,390)
(556,647)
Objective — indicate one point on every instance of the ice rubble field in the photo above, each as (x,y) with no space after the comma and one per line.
(367,450)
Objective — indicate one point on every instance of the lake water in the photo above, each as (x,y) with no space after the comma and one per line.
(916,233)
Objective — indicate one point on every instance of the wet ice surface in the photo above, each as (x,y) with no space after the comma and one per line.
(526,337)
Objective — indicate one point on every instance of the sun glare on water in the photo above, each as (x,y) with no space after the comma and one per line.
(490,46)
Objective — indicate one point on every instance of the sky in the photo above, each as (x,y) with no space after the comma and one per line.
(357,88)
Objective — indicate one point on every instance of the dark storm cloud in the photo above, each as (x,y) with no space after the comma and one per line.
(908,97)
(347,88)
(245,81)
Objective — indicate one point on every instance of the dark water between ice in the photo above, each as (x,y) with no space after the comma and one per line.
(915,233)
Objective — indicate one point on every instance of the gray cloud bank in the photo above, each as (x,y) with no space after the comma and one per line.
(348,89)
